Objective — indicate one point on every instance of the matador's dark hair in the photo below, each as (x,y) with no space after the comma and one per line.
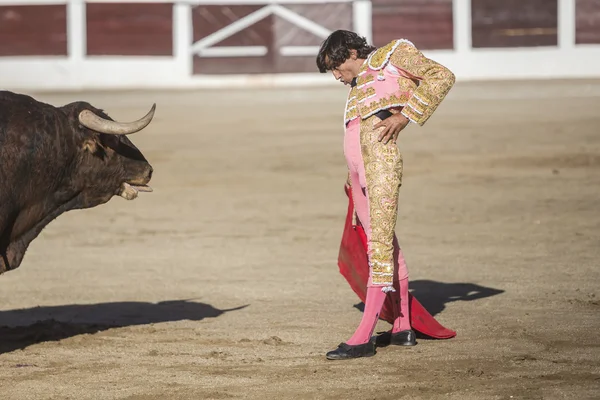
(335,50)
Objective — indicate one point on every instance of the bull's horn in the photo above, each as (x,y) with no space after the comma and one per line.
(99,124)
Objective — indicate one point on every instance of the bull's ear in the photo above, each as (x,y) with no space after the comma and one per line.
(90,145)
(94,147)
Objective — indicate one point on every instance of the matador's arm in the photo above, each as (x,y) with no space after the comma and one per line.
(435,82)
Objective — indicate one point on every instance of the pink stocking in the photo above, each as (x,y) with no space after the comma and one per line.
(400,300)
(402,321)
(373,304)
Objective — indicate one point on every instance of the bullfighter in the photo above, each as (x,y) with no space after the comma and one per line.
(390,87)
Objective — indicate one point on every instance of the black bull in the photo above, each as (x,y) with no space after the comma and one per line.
(57,159)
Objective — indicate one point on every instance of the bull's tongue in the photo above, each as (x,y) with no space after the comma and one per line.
(130,192)
(142,188)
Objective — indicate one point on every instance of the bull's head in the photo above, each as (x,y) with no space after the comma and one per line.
(110,162)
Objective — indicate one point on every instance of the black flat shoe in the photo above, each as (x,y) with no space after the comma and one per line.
(346,351)
(404,338)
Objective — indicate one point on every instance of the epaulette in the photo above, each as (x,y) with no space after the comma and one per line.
(380,57)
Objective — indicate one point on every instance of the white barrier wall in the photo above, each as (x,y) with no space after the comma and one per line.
(77,70)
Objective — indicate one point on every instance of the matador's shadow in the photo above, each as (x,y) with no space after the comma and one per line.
(22,328)
(435,295)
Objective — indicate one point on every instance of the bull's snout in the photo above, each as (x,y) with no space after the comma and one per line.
(130,190)
(149,172)
(139,174)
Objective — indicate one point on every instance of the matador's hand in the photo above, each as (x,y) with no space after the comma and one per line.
(393,125)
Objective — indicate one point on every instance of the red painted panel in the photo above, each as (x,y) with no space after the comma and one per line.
(49,36)
(587,22)
(130,29)
(426,23)
(514,23)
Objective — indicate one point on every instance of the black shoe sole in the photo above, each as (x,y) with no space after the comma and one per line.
(348,352)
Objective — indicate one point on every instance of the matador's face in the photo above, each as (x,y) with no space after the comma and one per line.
(348,70)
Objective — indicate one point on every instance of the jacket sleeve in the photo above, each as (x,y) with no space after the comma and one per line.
(435,82)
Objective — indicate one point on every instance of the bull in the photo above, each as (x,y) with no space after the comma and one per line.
(57,159)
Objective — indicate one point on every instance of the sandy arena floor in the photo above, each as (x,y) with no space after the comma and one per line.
(223,283)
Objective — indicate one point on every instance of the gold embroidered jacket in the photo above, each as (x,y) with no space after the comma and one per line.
(399,76)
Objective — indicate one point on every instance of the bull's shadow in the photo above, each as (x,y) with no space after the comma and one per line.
(22,328)
(435,295)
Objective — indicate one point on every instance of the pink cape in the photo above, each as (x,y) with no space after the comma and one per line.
(354,266)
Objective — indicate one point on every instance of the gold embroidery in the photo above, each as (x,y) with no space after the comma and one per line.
(351,111)
(410,114)
(362,95)
(383,104)
(406,85)
(380,57)
(383,175)
(351,114)
(364,80)
(417,107)
(421,100)
(437,80)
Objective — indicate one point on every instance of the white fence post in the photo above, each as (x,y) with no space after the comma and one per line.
(362,12)
(183,38)
(461,19)
(566,24)
(76,30)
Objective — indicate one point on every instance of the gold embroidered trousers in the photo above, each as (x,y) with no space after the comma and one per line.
(375,176)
